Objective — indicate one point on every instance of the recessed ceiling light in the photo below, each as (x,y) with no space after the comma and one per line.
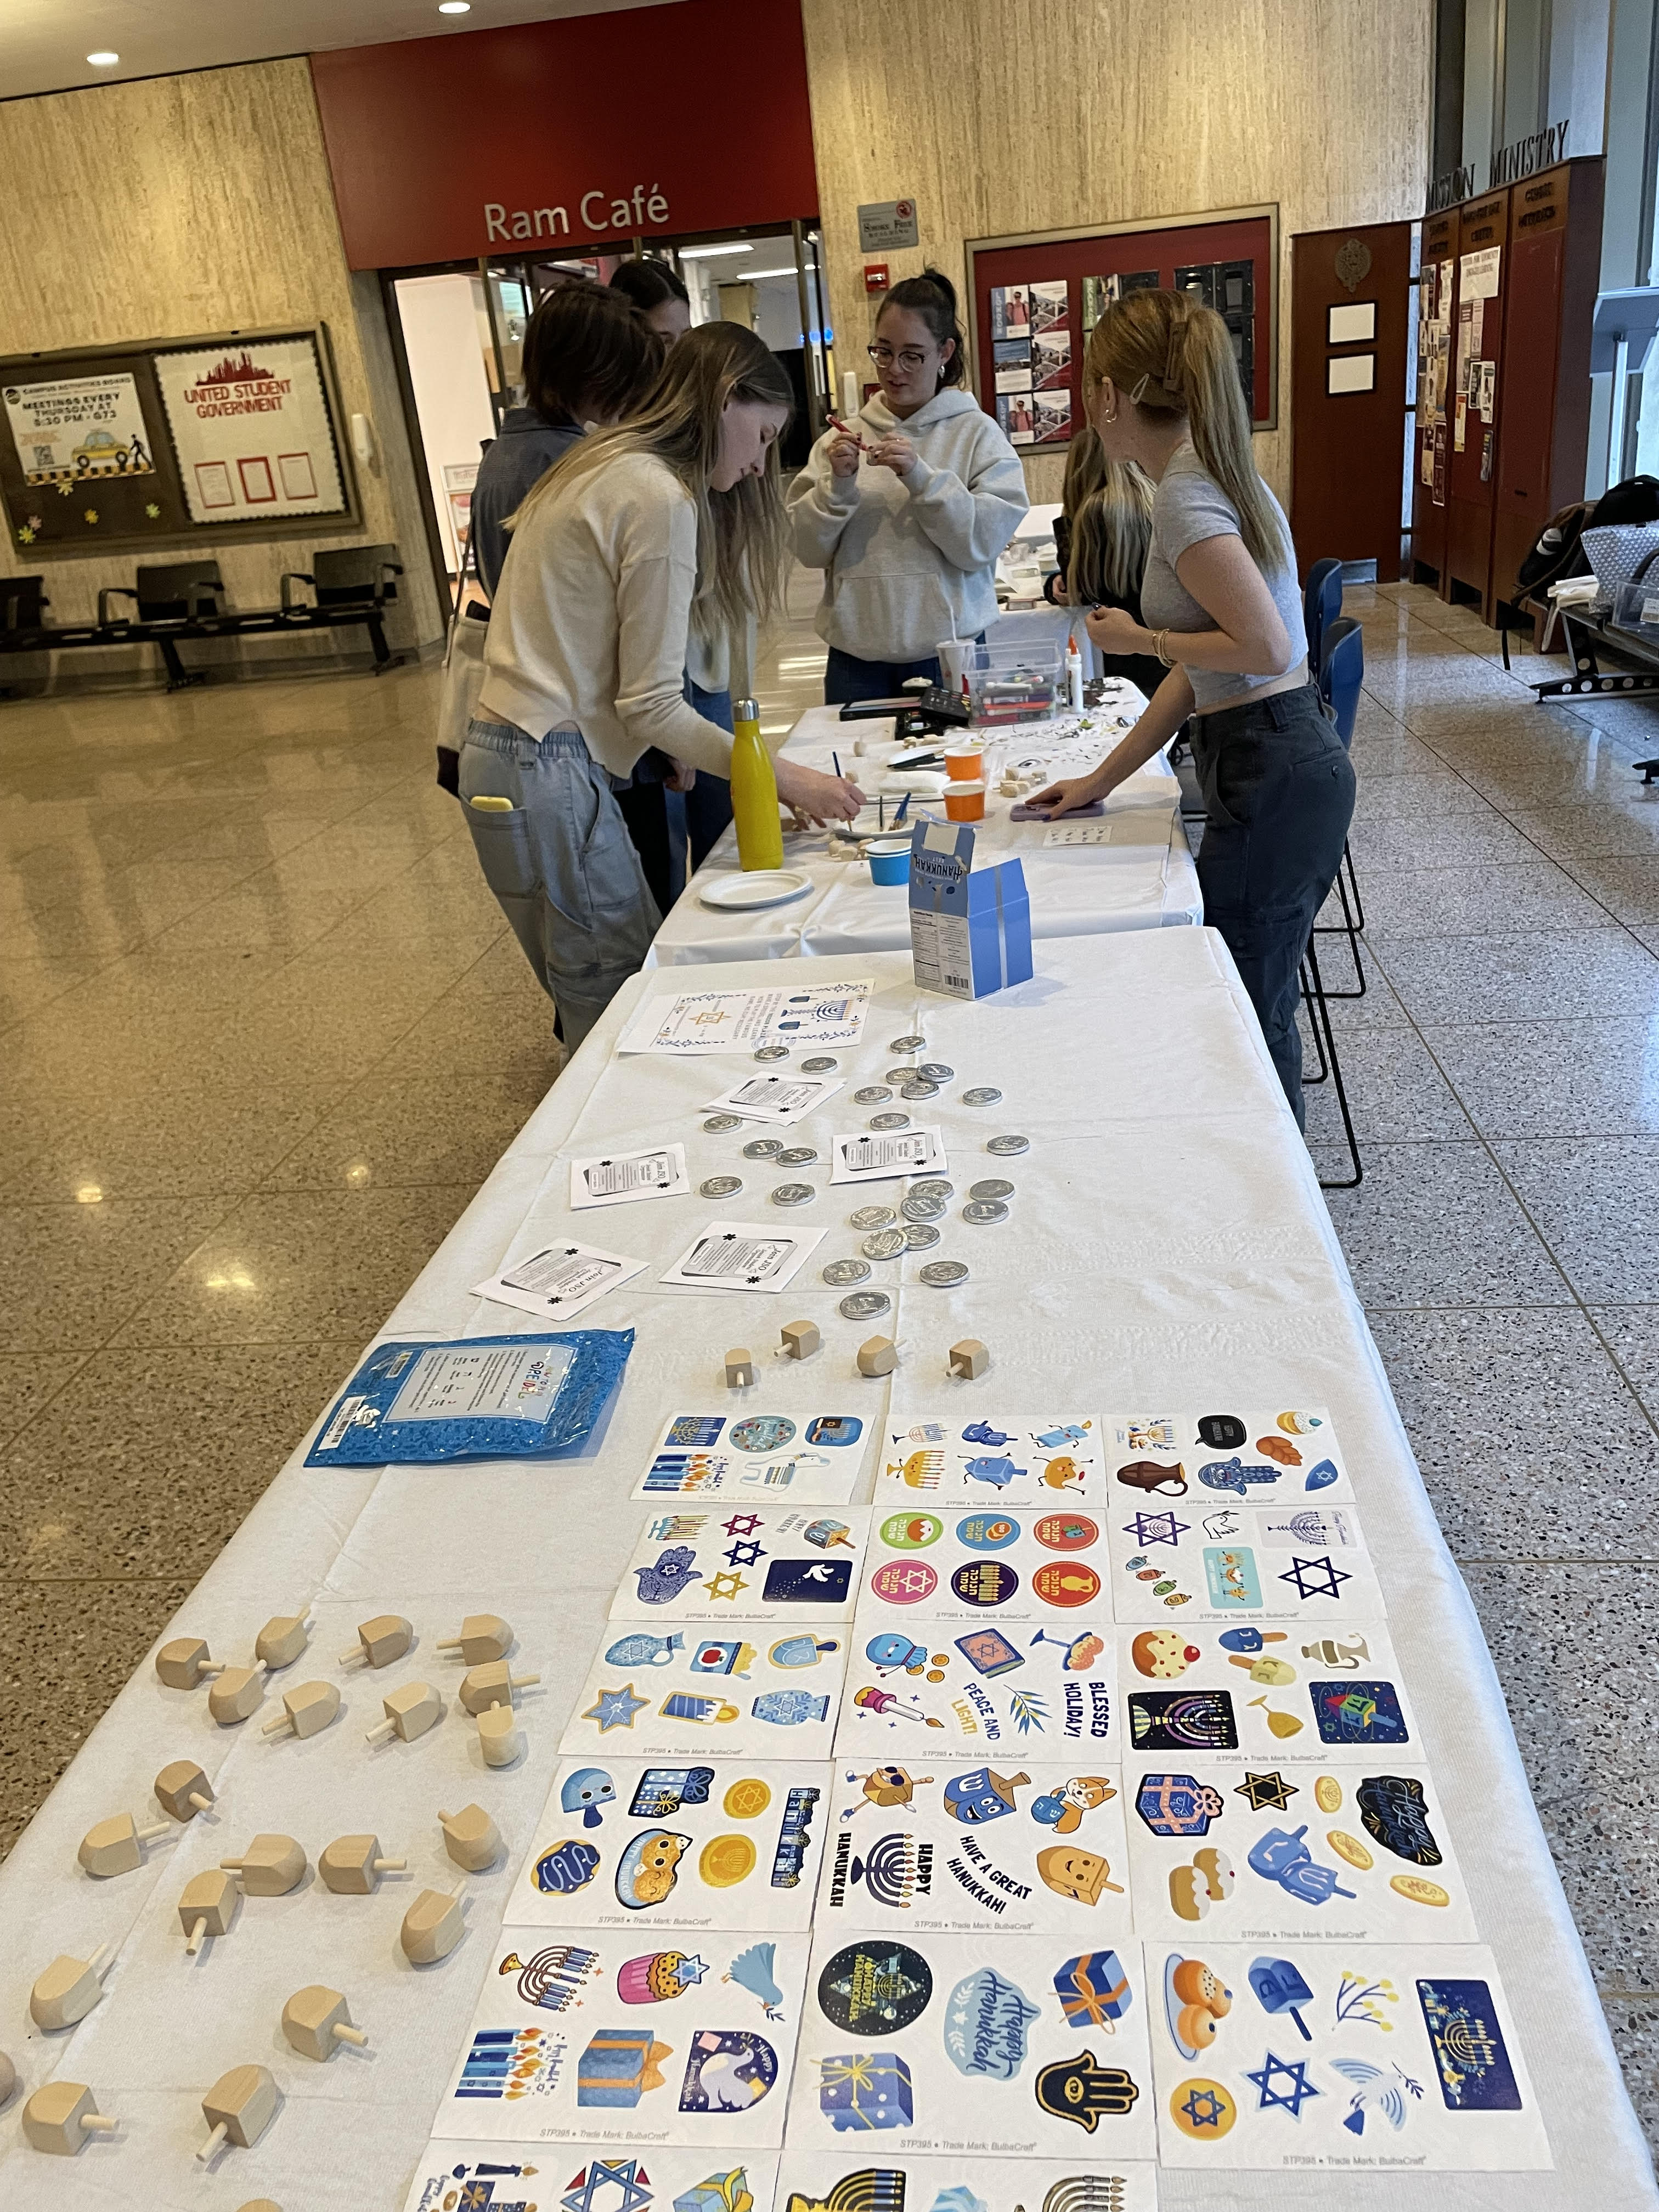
(454,6)
(103,59)
(707,252)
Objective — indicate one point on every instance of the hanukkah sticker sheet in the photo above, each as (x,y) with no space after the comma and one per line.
(1281,1694)
(1346,2055)
(659,1692)
(949,1847)
(607,2036)
(817,1457)
(452,2177)
(1035,2047)
(692,1023)
(981,1563)
(1048,1690)
(1209,1562)
(1264,1853)
(860,2181)
(754,1563)
(1259,1458)
(630,1842)
(970,1458)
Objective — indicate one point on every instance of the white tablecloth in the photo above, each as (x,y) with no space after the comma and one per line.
(1144,879)
(1171,1243)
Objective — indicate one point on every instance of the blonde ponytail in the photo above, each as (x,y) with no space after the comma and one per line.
(1169,355)
(1111,536)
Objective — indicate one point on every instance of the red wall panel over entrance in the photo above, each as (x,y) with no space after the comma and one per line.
(588,131)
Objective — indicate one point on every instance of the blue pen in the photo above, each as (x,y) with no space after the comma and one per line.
(904,808)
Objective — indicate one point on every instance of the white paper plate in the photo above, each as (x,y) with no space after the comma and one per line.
(739,894)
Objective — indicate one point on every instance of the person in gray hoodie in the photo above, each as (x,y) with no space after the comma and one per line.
(906,516)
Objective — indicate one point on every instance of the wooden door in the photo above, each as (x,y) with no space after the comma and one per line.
(1350,326)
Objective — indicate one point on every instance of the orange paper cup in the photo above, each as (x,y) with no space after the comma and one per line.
(964,802)
(963,763)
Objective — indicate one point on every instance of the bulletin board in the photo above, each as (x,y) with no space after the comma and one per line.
(1037,299)
(197,441)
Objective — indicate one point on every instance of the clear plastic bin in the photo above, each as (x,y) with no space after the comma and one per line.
(1635,607)
(1009,684)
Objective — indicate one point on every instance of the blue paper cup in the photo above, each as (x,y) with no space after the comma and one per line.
(888,859)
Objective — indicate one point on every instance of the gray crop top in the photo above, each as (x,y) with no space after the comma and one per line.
(1188,507)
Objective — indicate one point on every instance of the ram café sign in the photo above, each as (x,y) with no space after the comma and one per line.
(644,209)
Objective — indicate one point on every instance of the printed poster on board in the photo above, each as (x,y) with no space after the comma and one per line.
(251,429)
(77,426)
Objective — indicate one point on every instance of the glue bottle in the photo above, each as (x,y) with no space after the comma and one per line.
(754,792)
(1074,677)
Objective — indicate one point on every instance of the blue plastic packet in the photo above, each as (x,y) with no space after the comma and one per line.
(474,1397)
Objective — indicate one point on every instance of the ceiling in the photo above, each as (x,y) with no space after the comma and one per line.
(44,44)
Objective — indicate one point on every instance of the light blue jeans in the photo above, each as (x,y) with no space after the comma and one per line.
(561,864)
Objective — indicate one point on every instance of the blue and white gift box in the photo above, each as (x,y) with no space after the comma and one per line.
(970,929)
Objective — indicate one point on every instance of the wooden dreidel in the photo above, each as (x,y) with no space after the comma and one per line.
(183,1789)
(117,1845)
(433,1926)
(352,1865)
(471,1837)
(483,1636)
(500,1737)
(306,1710)
(238,2108)
(282,1638)
(379,1641)
(260,2205)
(182,1663)
(878,1355)
(7,2078)
(239,1692)
(739,1368)
(68,1991)
(969,1359)
(207,1906)
(799,1340)
(60,2116)
(411,1711)
(269,1867)
(315,2018)
(483,1686)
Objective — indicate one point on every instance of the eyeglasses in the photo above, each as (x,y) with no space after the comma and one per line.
(884,356)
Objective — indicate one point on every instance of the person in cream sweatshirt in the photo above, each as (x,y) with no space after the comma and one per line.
(907,517)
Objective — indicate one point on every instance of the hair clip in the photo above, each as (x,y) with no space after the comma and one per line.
(1139,391)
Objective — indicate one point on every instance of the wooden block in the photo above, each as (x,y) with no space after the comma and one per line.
(306,1710)
(314,2018)
(492,1686)
(500,1737)
(239,1692)
(483,1636)
(182,1663)
(352,1865)
(969,1359)
(7,2078)
(207,1906)
(433,1926)
(60,2116)
(282,1638)
(379,1641)
(67,1991)
(471,1837)
(269,1867)
(878,1355)
(183,1789)
(411,1709)
(739,1368)
(260,2205)
(800,1338)
(238,2108)
(116,1845)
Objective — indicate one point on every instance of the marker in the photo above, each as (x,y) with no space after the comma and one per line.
(835,424)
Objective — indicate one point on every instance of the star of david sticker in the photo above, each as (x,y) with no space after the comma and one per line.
(615,1709)
(745,1554)
(724,1585)
(1204,2108)
(622,2174)
(1266,1790)
(1315,1577)
(1293,2096)
(1156,1529)
(743,1524)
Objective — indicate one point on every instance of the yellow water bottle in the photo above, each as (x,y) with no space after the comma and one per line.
(754,792)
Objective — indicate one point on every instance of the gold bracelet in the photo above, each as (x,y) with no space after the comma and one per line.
(1158,637)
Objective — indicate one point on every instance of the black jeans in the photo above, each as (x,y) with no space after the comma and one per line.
(846,677)
(1278,791)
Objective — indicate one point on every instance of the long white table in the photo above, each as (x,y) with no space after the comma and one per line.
(1171,1244)
(1144,879)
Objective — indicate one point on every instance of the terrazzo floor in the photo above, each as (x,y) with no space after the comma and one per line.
(263,1032)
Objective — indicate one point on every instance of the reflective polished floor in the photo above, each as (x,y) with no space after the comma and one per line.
(263,1033)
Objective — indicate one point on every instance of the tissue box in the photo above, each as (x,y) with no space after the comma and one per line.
(970,929)
(865,2089)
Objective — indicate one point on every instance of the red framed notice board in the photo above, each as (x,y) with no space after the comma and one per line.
(1037,299)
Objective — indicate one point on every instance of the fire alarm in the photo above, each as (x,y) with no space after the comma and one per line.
(875,276)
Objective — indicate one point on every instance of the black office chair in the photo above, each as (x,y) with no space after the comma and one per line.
(23,603)
(347,576)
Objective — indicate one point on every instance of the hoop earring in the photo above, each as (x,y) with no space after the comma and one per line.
(1112,417)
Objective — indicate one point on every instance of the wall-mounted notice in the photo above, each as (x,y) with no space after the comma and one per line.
(251,429)
(77,426)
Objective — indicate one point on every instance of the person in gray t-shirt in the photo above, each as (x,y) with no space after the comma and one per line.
(1221,610)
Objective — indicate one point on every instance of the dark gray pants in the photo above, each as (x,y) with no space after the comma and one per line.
(1279,792)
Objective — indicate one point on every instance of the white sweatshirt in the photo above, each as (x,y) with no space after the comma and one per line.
(589,624)
(910,560)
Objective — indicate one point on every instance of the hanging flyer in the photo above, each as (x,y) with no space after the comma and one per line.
(252,429)
(75,427)
(831,1013)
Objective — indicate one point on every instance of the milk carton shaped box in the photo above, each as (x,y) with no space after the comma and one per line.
(970,929)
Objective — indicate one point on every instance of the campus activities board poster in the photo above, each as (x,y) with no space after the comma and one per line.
(251,429)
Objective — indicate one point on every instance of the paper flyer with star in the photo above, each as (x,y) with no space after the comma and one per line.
(1319,1691)
(661,1692)
(452,2176)
(1036,2046)
(629,1842)
(613,2037)
(767,1563)
(1196,1562)
(1351,2056)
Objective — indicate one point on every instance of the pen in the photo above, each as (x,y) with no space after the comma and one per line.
(835,424)
(835,756)
(904,808)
